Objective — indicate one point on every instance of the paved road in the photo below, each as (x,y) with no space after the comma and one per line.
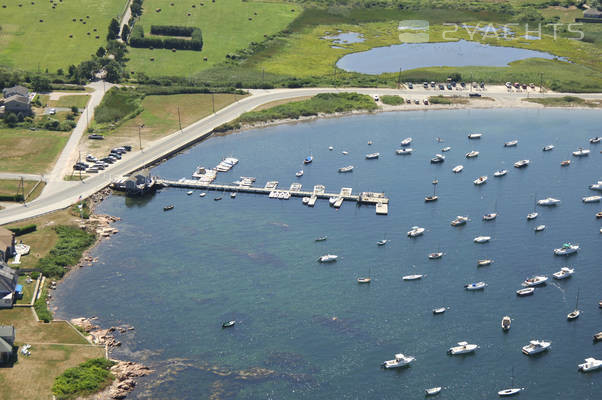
(125,18)
(69,192)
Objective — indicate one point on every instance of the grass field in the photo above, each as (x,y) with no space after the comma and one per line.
(10,186)
(79,101)
(160,118)
(28,44)
(30,151)
(566,101)
(225,25)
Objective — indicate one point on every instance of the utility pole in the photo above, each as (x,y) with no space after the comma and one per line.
(21,189)
(470,82)
(139,137)
(399,79)
(541,82)
(262,75)
(179,120)
(79,159)
(213,102)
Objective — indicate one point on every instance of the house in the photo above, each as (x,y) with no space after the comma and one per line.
(8,285)
(17,104)
(15,90)
(7,244)
(7,343)
(592,13)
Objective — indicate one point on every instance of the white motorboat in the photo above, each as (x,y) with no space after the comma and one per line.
(233,195)
(565,163)
(535,281)
(565,272)
(500,172)
(348,168)
(433,391)
(475,286)
(364,280)
(333,200)
(548,201)
(328,258)
(472,154)
(596,186)
(400,360)
(460,220)
(462,348)
(439,158)
(590,364)
(413,277)
(404,151)
(566,249)
(576,312)
(595,140)
(308,159)
(540,228)
(532,215)
(509,392)
(489,217)
(475,135)
(189,192)
(321,239)
(446,149)
(485,262)
(369,142)
(511,143)
(439,310)
(525,292)
(457,169)
(344,152)
(299,173)
(372,156)
(592,199)
(548,147)
(203,194)
(435,256)
(415,231)
(330,148)
(536,346)
(581,152)
(521,163)
(506,323)
(305,200)
(382,242)
(406,141)
(482,239)
(480,180)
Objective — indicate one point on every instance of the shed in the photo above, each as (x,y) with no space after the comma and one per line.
(592,13)
(7,342)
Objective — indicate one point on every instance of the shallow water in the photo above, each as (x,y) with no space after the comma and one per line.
(419,55)
(346,38)
(177,275)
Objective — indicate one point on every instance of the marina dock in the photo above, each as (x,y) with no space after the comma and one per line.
(295,190)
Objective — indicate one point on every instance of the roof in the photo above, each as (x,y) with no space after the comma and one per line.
(5,347)
(16,98)
(7,331)
(592,12)
(8,278)
(22,90)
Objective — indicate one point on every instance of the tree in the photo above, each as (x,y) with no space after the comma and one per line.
(20,117)
(118,49)
(125,33)
(11,120)
(100,52)
(74,109)
(114,71)
(72,70)
(113,29)
(60,71)
(40,83)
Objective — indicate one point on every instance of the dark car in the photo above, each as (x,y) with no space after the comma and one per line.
(425,85)
(96,137)
(441,87)
(118,150)
(449,86)
(78,167)
(474,94)
(115,155)
(482,84)
(127,147)
(99,166)
(463,84)
(410,85)
(107,160)
(454,83)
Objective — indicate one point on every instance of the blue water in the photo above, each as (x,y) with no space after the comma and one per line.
(419,55)
(175,276)
(346,38)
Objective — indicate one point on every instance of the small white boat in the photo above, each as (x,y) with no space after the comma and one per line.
(435,256)
(506,323)
(475,135)
(548,201)
(348,168)
(576,312)
(330,148)
(581,152)
(532,215)
(540,228)
(521,163)
(596,186)
(433,391)
(414,277)
(535,347)
(328,258)
(364,280)
(460,220)
(415,231)
(564,273)
(372,156)
(595,140)
(472,154)
(500,172)
(344,152)
(457,169)
(321,239)
(305,200)
(489,217)
(189,192)
(404,151)
(482,239)
(480,180)
(462,348)
(333,200)
(439,310)
(382,242)
(485,262)
(299,173)
(233,195)
(203,194)
(509,392)
(446,149)
(308,159)
(369,142)
(566,249)
(439,158)
(525,292)
(400,360)
(592,199)
(535,281)
(406,141)
(511,143)
(548,147)
(590,364)
(475,286)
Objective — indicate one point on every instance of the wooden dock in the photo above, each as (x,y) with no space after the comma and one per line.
(319,192)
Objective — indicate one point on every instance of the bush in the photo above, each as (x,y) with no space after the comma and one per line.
(119,104)
(85,379)
(67,251)
(19,231)
(9,197)
(392,100)
(41,308)
(137,38)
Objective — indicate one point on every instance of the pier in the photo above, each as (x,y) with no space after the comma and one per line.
(295,190)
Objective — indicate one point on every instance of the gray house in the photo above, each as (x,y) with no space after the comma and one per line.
(592,13)
(8,284)
(7,342)
(16,100)
(19,90)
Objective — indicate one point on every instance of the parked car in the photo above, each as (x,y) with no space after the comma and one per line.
(482,85)
(474,94)
(99,166)
(52,111)
(432,84)
(449,86)
(127,147)
(92,170)
(441,87)
(416,101)
(108,160)
(463,84)
(91,158)
(409,101)
(410,85)
(117,156)
(426,102)
(78,167)
(425,85)
(96,137)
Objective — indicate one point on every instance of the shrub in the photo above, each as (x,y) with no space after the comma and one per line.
(392,100)
(137,38)
(119,104)
(67,251)
(19,231)
(41,308)
(85,379)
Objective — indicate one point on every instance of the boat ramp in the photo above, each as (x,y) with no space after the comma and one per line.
(294,190)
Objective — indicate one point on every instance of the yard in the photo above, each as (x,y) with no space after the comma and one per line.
(29,44)
(70,100)
(29,151)
(9,187)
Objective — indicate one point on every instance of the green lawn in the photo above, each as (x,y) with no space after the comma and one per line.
(565,101)
(10,186)
(26,43)
(30,151)
(28,289)
(79,101)
(225,25)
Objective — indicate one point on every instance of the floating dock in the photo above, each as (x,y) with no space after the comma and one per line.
(319,192)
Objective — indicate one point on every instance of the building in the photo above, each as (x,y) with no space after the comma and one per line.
(15,90)
(8,285)
(7,244)
(17,100)
(592,13)
(7,343)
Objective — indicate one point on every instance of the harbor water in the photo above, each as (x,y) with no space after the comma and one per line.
(307,330)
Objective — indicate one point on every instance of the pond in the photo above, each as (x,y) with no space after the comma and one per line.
(345,38)
(418,55)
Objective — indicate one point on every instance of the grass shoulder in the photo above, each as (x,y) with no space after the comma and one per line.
(565,101)
(447,100)
(392,100)
(10,188)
